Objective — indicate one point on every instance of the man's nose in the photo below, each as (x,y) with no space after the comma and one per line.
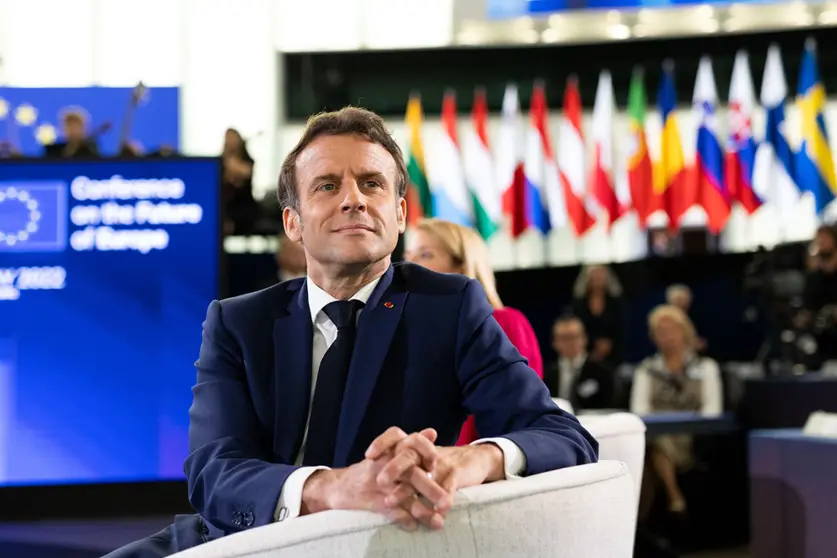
(354,200)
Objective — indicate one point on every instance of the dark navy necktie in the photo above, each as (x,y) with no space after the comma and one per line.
(331,383)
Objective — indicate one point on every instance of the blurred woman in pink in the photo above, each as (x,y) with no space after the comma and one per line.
(450,248)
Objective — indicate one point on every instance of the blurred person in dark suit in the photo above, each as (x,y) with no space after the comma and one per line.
(585,383)
(347,389)
(819,313)
(240,208)
(290,262)
(598,304)
(77,143)
(290,259)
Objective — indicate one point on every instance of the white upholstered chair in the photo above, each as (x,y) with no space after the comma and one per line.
(579,512)
(563,404)
(621,437)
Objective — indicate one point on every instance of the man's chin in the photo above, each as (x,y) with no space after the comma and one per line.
(357,254)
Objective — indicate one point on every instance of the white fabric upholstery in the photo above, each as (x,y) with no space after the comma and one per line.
(621,437)
(563,404)
(579,512)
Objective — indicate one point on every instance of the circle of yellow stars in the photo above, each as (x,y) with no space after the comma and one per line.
(26,116)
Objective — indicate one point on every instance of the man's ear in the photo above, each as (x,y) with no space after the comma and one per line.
(401,215)
(292,223)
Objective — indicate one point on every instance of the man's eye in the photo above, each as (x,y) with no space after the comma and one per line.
(372,184)
(327,186)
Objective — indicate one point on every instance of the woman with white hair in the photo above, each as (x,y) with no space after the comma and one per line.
(676,379)
(598,304)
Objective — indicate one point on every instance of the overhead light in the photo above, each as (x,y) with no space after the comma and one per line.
(828,17)
(705,11)
(550,35)
(710,26)
(619,32)
(733,24)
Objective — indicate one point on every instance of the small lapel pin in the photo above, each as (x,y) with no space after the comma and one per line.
(388,305)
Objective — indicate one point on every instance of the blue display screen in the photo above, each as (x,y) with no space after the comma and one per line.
(31,116)
(505,9)
(106,270)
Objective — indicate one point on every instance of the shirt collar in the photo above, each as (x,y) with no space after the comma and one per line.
(576,362)
(319,299)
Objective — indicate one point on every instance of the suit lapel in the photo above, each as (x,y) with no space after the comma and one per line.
(292,345)
(376,328)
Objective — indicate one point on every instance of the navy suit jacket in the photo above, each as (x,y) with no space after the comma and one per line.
(428,353)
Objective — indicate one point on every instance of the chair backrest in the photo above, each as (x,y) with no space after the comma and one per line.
(576,512)
(621,437)
(563,404)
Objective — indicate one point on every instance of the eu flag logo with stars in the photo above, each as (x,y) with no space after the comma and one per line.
(33,216)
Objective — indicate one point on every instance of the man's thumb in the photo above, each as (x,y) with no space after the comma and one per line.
(430,434)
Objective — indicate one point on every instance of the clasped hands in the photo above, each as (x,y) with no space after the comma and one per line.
(406,477)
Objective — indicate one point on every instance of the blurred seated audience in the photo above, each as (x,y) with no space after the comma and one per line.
(450,248)
(290,262)
(585,383)
(819,313)
(598,304)
(676,379)
(680,295)
(241,209)
(164,150)
(77,143)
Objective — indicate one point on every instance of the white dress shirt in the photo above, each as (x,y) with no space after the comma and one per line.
(325,333)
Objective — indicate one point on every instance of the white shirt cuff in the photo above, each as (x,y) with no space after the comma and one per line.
(514,460)
(290,499)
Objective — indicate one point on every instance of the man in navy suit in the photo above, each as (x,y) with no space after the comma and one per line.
(346,389)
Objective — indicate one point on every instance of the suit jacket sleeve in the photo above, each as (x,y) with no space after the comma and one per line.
(231,482)
(507,399)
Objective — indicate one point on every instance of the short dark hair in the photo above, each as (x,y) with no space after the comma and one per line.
(346,121)
(568,318)
(830,230)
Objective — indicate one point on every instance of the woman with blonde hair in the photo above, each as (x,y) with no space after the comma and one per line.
(676,379)
(446,247)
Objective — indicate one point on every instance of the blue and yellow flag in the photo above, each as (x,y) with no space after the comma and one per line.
(814,163)
(673,183)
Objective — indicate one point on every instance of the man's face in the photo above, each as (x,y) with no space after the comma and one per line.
(682,300)
(827,252)
(74,129)
(568,338)
(825,243)
(349,214)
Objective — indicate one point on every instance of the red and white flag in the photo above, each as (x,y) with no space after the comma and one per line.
(571,160)
(602,183)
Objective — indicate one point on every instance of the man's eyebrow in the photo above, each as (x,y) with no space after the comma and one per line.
(336,178)
(329,177)
(372,174)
